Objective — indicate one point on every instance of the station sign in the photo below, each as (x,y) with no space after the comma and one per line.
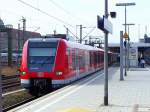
(100,23)
(133,53)
(107,25)
(104,24)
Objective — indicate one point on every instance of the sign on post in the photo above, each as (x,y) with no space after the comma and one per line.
(104,24)
(100,23)
(125,35)
(107,25)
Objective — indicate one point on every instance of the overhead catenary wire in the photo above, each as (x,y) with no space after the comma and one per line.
(60,7)
(29,5)
(71,32)
(89,32)
(60,20)
(20,15)
(67,12)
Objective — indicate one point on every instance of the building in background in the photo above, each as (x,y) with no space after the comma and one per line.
(137,50)
(12,40)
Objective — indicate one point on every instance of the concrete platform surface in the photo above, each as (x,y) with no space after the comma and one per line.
(130,95)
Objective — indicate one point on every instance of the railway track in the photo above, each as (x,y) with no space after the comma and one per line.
(10,84)
(14,105)
(10,81)
(9,77)
(18,104)
(26,100)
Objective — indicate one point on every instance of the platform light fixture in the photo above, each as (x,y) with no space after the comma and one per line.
(125,5)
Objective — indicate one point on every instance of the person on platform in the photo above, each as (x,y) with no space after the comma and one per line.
(142,62)
(139,62)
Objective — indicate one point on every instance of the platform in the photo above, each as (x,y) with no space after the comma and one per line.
(130,95)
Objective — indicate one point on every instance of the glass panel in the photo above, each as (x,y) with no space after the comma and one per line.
(42,51)
(41,59)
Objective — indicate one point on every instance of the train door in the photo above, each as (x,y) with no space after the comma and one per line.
(77,63)
(87,60)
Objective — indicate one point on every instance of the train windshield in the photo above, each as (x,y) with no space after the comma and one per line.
(41,59)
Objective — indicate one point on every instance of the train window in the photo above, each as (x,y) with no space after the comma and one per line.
(42,51)
(91,58)
(73,59)
(95,58)
(87,58)
(69,62)
(41,59)
(102,58)
(76,58)
(98,57)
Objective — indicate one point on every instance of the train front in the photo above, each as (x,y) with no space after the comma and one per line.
(37,66)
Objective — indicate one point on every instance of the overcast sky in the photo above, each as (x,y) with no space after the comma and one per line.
(75,12)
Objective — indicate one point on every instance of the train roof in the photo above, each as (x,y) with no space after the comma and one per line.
(43,39)
(81,46)
(68,43)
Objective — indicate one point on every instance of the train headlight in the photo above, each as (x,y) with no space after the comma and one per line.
(23,73)
(59,73)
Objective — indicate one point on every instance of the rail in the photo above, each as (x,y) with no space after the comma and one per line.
(10,81)
(18,104)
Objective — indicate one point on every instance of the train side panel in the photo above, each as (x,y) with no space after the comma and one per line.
(51,63)
(23,69)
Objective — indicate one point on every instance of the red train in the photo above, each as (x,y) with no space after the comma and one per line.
(52,62)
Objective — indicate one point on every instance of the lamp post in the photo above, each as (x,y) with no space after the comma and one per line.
(125,4)
(128,45)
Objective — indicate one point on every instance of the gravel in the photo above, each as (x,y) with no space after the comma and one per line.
(14,98)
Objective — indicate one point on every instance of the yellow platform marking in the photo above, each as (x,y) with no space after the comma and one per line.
(75,110)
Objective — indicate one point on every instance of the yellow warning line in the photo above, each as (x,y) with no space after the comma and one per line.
(75,110)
